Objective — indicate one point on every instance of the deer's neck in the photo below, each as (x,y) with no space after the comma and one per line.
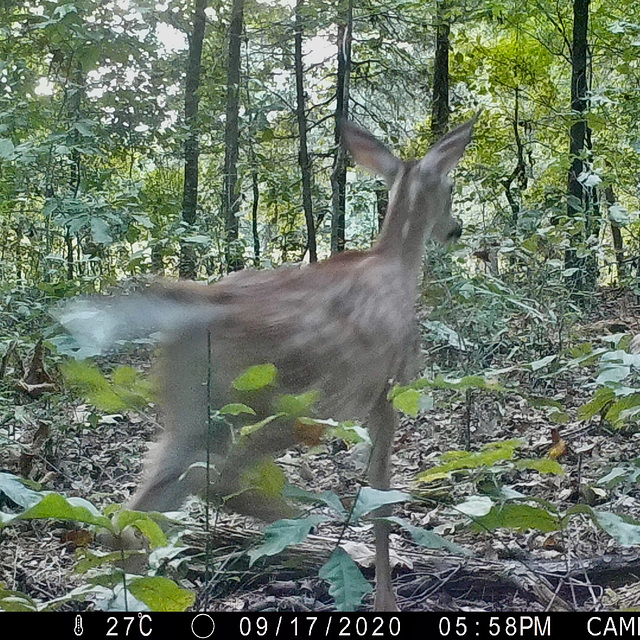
(404,230)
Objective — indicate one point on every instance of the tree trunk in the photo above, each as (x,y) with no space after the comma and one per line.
(440,97)
(254,218)
(339,173)
(577,200)
(303,156)
(519,172)
(230,196)
(187,266)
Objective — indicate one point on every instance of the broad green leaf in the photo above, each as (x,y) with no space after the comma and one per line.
(476,506)
(328,498)
(15,490)
(235,409)
(86,559)
(519,517)
(266,476)
(428,539)
(281,534)
(543,362)
(6,149)
(296,406)
(53,505)
(256,377)
(408,402)
(613,374)
(459,460)
(624,409)
(601,398)
(145,524)
(15,601)
(623,529)
(347,585)
(542,465)
(161,594)
(371,499)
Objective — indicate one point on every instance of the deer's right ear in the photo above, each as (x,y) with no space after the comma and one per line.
(369,152)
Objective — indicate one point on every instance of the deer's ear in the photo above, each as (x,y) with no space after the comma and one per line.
(369,152)
(447,152)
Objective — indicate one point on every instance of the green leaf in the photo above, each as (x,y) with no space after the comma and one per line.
(296,406)
(15,601)
(267,477)
(328,498)
(371,499)
(53,505)
(161,594)
(6,149)
(145,524)
(519,517)
(476,506)
(408,402)
(428,539)
(235,409)
(624,530)
(458,460)
(542,465)
(256,377)
(543,362)
(347,585)
(15,489)
(281,534)
(601,398)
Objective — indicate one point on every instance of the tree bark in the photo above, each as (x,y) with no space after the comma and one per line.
(440,97)
(339,173)
(303,155)
(254,218)
(187,265)
(577,199)
(230,196)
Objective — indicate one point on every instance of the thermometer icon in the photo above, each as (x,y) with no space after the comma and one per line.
(78,630)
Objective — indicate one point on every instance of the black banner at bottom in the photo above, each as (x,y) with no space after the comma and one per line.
(267,626)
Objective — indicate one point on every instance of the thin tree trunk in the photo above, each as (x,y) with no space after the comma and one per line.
(303,156)
(74,96)
(440,97)
(577,195)
(339,173)
(519,172)
(187,266)
(230,197)
(254,218)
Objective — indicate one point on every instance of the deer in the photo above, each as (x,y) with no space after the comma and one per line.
(344,327)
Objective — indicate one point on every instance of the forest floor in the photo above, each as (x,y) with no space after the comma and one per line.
(55,441)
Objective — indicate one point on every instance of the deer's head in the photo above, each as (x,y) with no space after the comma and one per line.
(420,190)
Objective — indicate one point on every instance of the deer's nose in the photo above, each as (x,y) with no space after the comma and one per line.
(456,232)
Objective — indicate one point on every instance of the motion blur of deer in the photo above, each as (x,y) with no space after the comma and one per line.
(344,328)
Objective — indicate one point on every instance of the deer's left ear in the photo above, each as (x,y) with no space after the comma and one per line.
(369,152)
(447,152)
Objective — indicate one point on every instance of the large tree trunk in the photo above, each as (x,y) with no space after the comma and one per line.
(303,155)
(187,266)
(585,274)
(440,97)
(230,196)
(339,173)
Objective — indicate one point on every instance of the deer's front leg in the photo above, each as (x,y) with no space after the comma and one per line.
(382,427)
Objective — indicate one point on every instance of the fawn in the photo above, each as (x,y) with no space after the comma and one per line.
(344,327)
